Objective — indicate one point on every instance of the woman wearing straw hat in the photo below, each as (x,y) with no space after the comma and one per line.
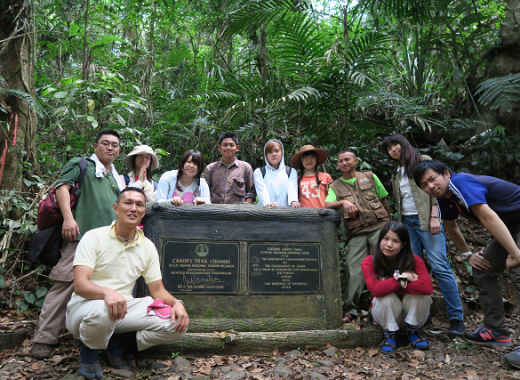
(313,186)
(141,161)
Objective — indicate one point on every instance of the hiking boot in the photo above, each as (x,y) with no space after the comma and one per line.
(91,371)
(41,350)
(486,336)
(513,358)
(456,328)
(89,366)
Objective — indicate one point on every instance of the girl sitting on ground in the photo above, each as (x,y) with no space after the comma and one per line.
(141,161)
(185,186)
(313,186)
(276,184)
(400,286)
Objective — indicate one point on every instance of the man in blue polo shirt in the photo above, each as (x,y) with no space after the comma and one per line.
(495,204)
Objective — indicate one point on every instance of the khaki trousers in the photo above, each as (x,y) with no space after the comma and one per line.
(89,321)
(358,247)
(390,311)
(51,322)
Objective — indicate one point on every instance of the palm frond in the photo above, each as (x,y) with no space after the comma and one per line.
(500,93)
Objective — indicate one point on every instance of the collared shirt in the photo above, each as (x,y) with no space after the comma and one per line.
(230,183)
(99,191)
(468,190)
(117,264)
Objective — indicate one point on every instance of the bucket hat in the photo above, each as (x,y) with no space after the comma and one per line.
(320,153)
(142,149)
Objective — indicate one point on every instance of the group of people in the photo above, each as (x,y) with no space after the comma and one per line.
(105,250)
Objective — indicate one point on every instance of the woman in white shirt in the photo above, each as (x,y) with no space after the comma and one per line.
(276,184)
(185,186)
(141,161)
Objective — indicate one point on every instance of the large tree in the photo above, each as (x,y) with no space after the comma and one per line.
(17,118)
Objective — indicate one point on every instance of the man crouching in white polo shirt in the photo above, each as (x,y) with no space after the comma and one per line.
(102,310)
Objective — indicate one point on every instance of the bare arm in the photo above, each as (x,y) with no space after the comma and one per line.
(69,229)
(435,222)
(496,227)
(348,207)
(453,233)
(179,314)
(116,303)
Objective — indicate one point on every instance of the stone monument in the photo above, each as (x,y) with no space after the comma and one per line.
(248,267)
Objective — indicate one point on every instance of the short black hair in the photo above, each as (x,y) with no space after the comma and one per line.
(112,132)
(228,135)
(348,150)
(421,168)
(131,188)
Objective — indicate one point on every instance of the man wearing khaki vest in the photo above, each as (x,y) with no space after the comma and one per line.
(360,196)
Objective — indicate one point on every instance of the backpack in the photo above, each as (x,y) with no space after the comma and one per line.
(45,244)
(49,213)
(287,170)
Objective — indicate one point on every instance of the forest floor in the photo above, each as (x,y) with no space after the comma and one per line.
(446,359)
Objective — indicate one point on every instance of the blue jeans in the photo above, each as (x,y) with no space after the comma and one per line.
(435,248)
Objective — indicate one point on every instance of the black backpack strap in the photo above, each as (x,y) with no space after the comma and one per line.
(262,169)
(83,164)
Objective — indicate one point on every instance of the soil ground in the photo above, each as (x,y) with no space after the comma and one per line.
(446,359)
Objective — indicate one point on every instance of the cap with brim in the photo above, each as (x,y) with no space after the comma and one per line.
(142,149)
(320,153)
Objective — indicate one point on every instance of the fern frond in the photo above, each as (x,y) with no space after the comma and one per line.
(500,93)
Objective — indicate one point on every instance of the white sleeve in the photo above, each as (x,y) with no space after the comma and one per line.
(261,190)
(204,191)
(165,188)
(147,187)
(292,191)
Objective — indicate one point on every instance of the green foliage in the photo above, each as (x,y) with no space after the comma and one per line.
(501,93)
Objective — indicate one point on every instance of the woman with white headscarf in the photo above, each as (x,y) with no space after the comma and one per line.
(276,184)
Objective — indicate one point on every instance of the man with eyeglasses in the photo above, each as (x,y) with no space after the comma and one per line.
(100,188)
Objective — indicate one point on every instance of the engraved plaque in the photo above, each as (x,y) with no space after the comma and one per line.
(284,268)
(200,267)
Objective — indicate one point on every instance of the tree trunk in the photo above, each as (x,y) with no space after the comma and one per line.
(506,60)
(17,119)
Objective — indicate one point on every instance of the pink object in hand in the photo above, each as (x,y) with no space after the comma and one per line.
(159,308)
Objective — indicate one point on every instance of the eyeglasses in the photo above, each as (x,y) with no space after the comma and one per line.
(106,144)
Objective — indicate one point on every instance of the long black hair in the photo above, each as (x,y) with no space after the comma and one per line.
(409,155)
(385,266)
(196,157)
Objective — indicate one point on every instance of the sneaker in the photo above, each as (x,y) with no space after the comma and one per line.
(513,358)
(389,343)
(486,336)
(456,328)
(41,350)
(415,340)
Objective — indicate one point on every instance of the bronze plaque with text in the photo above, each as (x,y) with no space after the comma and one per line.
(200,267)
(284,268)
